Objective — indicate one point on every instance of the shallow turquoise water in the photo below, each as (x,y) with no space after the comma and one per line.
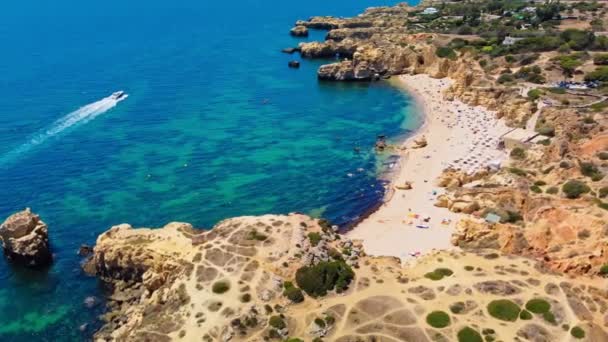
(215,126)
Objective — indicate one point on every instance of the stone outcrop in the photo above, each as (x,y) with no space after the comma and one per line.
(25,239)
(299,31)
(164,286)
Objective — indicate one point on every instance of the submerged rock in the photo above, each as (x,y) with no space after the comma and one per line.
(25,239)
(294,64)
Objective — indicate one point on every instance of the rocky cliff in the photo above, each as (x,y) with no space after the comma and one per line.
(237,282)
(25,239)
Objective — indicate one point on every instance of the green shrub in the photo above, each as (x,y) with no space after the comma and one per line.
(549,317)
(445,52)
(314,238)
(525,315)
(294,339)
(518,153)
(438,319)
(325,276)
(468,334)
(505,78)
(538,306)
(577,332)
(457,307)
(603,192)
(469,268)
(277,322)
(590,170)
(220,287)
(517,172)
(246,298)
(540,183)
(536,189)
(534,94)
(603,205)
(599,74)
(546,130)
(574,189)
(255,235)
(293,293)
(604,270)
(319,322)
(603,155)
(552,190)
(439,274)
(504,309)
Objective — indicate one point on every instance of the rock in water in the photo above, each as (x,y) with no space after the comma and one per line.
(294,64)
(299,31)
(25,239)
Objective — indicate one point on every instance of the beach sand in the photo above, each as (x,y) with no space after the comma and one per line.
(458,136)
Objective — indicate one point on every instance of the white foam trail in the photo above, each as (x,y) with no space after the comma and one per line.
(78,117)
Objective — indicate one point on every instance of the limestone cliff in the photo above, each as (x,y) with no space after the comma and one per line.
(177,283)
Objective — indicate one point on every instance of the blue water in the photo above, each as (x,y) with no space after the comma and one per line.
(215,126)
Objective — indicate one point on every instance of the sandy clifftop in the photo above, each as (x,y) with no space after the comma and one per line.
(177,283)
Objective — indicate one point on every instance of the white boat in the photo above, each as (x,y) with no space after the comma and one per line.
(118,95)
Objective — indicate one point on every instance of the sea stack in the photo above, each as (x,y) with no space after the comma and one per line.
(25,239)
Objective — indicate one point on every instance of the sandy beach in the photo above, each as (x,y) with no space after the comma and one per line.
(459,136)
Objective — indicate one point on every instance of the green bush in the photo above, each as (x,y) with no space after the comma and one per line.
(603,205)
(546,130)
(277,322)
(220,287)
(293,293)
(504,309)
(525,315)
(518,153)
(534,94)
(603,192)
(549,317)
(577,332)
(294,339)
(552,190)
(603,155)
(468,334)
(574,189)
(314,238)
(604,270)
(517,172)
(438,319)
(540,183)
(325,276)
(246,298)
(445,52)
(457,307)
(505,78)
(538,306)
(590,170)
(439,274)
(599,74)
(255,235)
(536,189)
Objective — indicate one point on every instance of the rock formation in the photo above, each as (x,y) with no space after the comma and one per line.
(25,239)
(230,284)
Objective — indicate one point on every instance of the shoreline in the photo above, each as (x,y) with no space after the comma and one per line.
(406,223)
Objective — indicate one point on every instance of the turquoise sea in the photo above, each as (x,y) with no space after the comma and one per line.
(215,126)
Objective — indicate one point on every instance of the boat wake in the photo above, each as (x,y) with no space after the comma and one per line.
(76,118)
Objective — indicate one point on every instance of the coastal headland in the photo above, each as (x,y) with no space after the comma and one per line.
(499,205)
